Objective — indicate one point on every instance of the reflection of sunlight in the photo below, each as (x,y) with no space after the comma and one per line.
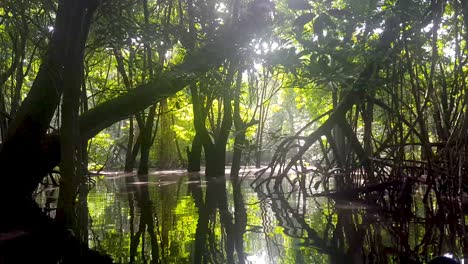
(261,258)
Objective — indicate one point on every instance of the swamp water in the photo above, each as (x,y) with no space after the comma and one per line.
(177,217)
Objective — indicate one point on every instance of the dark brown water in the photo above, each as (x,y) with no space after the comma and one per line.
(176,217)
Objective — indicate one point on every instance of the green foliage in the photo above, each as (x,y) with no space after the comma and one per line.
(407,60)
(99,149)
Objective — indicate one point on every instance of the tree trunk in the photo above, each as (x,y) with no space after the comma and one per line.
(146,142)
(194,154)
(340,153)
(3,117)
(128,155)
(21,49)
(368,118)
(216,153)
(215,161)
(240,126)
(147,129)
(239,142)
(70,139)
(202,137)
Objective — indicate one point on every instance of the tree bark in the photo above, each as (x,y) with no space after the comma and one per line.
(194,154)
(146,142)
(128,155)
(215,151)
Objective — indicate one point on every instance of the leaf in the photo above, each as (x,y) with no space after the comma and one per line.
(362,8)
(303,19)
(322,22)
(323,60)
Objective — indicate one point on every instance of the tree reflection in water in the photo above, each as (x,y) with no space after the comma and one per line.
(147,220)
(370,230)
(232,227)
(186,219)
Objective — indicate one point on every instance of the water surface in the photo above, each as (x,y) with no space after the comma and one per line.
(176,217)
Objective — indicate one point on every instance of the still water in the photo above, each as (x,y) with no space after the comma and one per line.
(176,217)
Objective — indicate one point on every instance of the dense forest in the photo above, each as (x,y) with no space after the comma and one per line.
(358,100)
